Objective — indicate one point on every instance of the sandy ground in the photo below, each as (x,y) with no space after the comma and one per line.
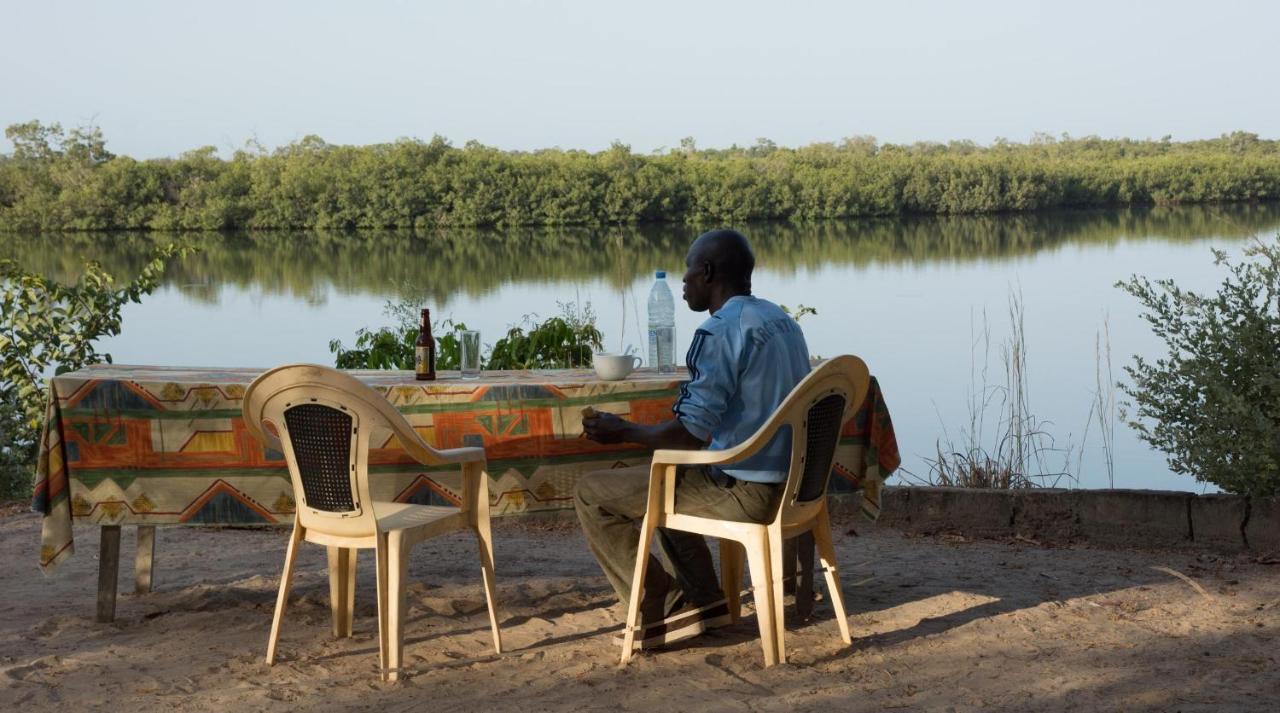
(939,624)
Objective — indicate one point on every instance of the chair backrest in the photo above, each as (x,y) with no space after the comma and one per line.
(816,411)
(323,420)
(824,421)
(323,440)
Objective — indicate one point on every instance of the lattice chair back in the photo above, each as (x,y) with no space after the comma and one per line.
(823,422)
(323,421)
(323,440)
(816,410)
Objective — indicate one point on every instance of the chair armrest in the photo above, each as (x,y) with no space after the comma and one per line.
(662,489)
(461,455)
(704,457)
(419,450)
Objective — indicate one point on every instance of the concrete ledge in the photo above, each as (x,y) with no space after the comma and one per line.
(1134,517)
(983,513)
(1150,518)
(894,508)
(1263,529)
(1217,521)
(1145,518)
(1047,514)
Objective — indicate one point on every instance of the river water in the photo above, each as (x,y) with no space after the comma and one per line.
(925,301)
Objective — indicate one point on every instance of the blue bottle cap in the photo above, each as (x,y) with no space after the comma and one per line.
(661,274)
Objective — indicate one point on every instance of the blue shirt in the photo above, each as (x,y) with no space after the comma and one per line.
(743,362)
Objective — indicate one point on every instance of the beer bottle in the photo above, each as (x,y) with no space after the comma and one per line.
(424,351)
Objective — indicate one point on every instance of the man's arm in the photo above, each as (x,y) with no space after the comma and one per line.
(608,428)
(702,403)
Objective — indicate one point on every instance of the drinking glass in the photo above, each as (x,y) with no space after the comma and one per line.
(469,358)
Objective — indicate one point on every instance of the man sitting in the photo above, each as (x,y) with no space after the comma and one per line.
(742,363)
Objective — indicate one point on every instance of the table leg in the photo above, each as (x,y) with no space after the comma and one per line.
(108,570)
(804,576)
(144,562)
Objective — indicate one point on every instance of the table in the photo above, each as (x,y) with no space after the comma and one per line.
(148,446)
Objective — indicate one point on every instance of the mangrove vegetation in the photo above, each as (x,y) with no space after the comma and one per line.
(68,180)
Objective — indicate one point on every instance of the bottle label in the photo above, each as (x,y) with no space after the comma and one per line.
(421,360)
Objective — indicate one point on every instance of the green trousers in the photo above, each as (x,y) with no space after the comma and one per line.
(611,504)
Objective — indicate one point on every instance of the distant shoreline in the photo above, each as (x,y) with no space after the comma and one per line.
(69,181)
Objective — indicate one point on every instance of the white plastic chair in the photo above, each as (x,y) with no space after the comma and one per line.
(815,410)
(324,421)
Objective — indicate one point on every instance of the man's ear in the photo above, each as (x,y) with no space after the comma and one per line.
(708,271)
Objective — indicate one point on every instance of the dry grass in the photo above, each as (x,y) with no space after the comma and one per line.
(1103,409)
(1016,453)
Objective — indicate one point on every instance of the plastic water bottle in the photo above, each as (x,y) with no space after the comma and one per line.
(662,325)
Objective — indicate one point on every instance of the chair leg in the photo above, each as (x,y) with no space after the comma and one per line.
(286,581)
(731,556)
(827,553)
(647,530)
(351,590)
(484,537)
(382,562)
(397,570)
(804,575)
(777,566)
(342,588)
(336,557)
(762,585)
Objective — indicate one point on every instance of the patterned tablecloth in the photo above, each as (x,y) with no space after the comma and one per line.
(139,445)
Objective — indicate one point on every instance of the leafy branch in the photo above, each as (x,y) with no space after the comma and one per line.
(1212,402)
(48,327)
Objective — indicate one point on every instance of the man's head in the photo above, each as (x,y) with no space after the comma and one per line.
(717,267)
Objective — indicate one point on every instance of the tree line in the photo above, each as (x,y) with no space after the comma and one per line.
(68,180)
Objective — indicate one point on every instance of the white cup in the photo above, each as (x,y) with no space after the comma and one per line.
(614,367)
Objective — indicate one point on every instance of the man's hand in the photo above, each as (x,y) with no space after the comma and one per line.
(607,428)
(604,427)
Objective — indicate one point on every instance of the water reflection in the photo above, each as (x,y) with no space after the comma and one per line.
(474,262)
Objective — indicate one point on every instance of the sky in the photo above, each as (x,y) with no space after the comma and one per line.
(163,77)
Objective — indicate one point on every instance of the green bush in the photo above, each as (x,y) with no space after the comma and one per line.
(564,341)
(561,342)
(47,326)
(1212,403)
(383,348)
